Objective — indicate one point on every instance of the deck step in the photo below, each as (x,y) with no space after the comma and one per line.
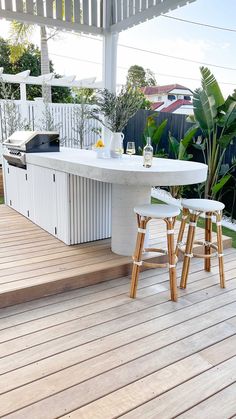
(34,264)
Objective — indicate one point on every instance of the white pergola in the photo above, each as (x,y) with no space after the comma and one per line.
(98,17)
(23,78)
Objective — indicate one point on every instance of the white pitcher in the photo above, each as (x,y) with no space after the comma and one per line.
(116,146)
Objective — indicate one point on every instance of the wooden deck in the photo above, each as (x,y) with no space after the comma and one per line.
(93,353)
(34,264)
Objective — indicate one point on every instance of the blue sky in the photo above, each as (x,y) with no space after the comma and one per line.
(162,35)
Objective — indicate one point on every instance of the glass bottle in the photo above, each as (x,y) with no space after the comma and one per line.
(148,153)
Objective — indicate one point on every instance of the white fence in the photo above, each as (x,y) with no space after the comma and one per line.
(35,115)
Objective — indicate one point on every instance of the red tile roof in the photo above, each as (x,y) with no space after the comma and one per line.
(176,105)
(156,105)
(155,90)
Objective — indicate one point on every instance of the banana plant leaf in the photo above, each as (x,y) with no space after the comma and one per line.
(219,185)
(224,169)
(186,141)
(226,139)
(202,111)
(174,146)
(227,114)
(212,89)
(159,132)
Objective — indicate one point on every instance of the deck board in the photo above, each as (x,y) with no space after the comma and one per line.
(34,264)
(94,353)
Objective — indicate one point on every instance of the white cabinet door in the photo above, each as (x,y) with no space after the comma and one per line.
(50,201)
(18,187)
(44,198)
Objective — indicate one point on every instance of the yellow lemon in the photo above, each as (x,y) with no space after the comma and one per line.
(99,143)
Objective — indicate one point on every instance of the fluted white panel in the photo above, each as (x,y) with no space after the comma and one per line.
(90,209)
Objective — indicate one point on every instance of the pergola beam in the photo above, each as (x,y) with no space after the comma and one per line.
(160,8)
(50,22)
(49,80)
(99,17)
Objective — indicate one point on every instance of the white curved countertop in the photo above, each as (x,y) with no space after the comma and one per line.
(124,171)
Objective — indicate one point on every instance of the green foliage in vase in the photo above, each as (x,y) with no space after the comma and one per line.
(216,117)
(117,109)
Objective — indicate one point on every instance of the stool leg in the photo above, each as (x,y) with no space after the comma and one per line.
(220,249)
(208,238)
(171,258)
(137,256)
(181,230)
(188,250)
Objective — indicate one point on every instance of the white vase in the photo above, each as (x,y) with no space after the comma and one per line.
(116,146)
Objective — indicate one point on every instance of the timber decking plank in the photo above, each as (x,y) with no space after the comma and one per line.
(195,267)
(197,389)
(141,391)
(61,389)
(99,354)
(223,401)
(117,327)
(114,321)
(117,305)
(34,264)
(99,301)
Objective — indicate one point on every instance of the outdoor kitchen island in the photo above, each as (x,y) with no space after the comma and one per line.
(79,198)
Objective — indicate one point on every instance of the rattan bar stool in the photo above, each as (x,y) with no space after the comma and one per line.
(145,213)
(192,209)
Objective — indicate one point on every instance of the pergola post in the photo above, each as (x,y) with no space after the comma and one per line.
(109,64)
(23,101)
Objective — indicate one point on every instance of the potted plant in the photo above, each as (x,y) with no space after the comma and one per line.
(114,112)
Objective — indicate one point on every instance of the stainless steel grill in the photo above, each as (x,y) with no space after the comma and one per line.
(22,142)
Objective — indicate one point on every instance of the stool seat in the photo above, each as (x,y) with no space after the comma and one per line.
(203,205)
(157,210)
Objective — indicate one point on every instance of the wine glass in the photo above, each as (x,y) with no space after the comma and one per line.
(130,149)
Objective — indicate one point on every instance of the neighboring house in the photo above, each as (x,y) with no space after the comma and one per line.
(170,98)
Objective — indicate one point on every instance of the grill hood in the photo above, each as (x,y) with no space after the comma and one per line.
(33,141)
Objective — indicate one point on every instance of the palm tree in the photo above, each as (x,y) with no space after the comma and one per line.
(19,37)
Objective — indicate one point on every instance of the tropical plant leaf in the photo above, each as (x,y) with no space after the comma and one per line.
(174,145)
(219,185)
(202,111)
(212,89)
(201,147)
(226,139)
(227,113)
(19,35)
(224,169)
(189,136)
(159,131)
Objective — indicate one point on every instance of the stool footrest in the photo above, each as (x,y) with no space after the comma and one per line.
(201,256)
(154,249)
(155,265)
(182,248)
